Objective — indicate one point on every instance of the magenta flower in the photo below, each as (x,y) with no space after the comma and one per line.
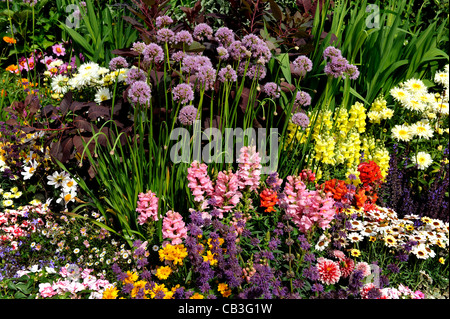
(174,227)
(58,49)
(147,207)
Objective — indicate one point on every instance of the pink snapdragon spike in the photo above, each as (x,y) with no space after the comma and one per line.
(306,207)
(226,193)
(249,169)
(199,183)
(147,207)
(174,227)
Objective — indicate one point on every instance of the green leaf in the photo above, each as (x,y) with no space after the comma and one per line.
(283,59)
(78,38)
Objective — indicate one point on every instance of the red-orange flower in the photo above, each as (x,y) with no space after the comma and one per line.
(336,187)
(9,40)
(12,68)
(369,172)
(268,199)
(360,197)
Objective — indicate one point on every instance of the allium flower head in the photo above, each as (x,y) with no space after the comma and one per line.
(183,93)
(301,99)
(224,36)
(302,64)
(187,115)
(165,35)
(300,119)
(272,89)
(118,63)
(138,47)
(223,53)
(163,21)
(140,93)
(203,30)
(227,74)
(153,53)
(135,74)
(183,37)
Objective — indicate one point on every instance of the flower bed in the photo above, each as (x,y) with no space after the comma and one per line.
(203,162)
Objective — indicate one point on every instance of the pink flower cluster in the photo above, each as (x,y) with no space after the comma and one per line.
(199,183)
(147,207)
(226,194)
(20,222)
(306,207)
(174,227)
(82,280)
(249,169)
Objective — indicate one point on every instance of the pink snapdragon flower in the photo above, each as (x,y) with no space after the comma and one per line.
(306,207)
(147,207)
(249,169)
(226,192)
(199,182)
(174,227)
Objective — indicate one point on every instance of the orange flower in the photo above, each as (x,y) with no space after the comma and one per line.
(335,187)
(12,68)
(3,93)
(361,198)
(9,40)
(268,199)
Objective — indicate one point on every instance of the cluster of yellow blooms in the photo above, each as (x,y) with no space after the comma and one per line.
(340,138)
(174,253)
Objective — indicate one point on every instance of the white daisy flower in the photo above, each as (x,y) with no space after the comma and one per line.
(422,159)
(102,94)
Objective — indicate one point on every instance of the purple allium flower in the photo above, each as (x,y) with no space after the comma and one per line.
(352,72)
(178,56)
(227,74)
(140,93)
(206,77)
(203,30)
(301,99)
(138,47)
(193,63)
(257,47)
(165,35)
(302,64)
(183,93)
(256,71)
(187,115)
(163,21)
(223,53)
(118,63)
(224,36)
(336,66)
(135,74)
(153,53)
(237,51)
(272,89)
(183,37)
(331,52)
(300,119)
